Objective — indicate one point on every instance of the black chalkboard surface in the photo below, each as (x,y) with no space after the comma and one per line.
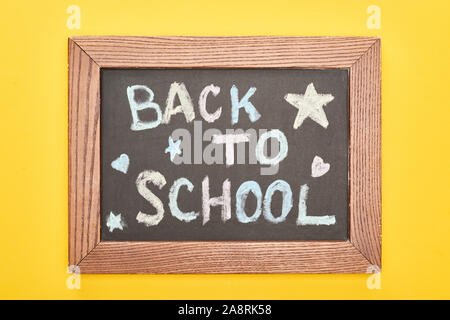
(288,179)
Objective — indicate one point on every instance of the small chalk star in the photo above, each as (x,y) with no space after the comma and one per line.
(309,105)
(173,148)
(114,222)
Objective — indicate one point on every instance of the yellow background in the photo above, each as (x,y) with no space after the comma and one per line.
(33,147)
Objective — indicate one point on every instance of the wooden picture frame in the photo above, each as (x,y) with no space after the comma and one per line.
(361,55)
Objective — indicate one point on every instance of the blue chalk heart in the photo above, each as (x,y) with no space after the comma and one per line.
(121,163)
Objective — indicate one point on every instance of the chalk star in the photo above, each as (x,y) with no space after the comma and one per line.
(114,222)
(309,105)
(173,148)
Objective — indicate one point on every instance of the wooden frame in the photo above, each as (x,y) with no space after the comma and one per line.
(361,55)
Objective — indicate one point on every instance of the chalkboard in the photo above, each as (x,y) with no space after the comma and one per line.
(158,130)
(224,154)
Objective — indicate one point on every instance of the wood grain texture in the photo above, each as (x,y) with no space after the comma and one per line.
(224,257)
(224,52)
(361,55)
(84,154)
(365,154)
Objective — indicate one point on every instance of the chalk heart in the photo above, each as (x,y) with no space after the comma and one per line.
(121,163)
(318,167)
